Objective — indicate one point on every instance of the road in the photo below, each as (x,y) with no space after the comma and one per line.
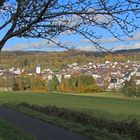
(41,130)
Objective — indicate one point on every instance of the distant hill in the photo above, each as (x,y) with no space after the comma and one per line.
(76,52)
(59,60)
(124,51)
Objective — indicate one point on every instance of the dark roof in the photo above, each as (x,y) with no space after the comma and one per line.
(99,80)
(8,74)
(138,69)
(31,71)
(113,81)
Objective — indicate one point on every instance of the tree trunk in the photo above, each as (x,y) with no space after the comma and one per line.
(2,43)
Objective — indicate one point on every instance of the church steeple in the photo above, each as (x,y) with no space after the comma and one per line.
(38,69)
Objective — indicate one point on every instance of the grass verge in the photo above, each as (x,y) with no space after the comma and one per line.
(10,132)
(75,121)
(116,108)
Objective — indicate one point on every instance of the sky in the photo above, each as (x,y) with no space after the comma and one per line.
(22,44)
(109,42)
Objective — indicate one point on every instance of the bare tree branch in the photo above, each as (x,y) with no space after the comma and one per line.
(48,19)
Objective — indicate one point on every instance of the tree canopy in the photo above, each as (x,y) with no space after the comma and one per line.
(48,19)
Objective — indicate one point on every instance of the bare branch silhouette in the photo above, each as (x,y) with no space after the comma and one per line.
(48,19)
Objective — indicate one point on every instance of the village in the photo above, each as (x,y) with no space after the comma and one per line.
(110,74)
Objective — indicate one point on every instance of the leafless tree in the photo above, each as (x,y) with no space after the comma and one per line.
(49,18)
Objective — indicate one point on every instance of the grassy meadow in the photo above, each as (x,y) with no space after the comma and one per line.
(103,107)
(99,104)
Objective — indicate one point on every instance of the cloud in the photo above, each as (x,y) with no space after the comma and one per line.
(41,45)
(103,18)
(88,48)
(134,46)
(109,40)
(136,37)
(103,40)
(119,47)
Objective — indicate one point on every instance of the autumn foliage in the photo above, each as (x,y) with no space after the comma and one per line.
(76,83)
(81,83)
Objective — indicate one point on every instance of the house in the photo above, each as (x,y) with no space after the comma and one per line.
(31,72)
(8,74)
(113,84)
(15,70)
(38,69)
(95,75)
(138,77)
(68,74)
(2,70)
(6,81)
(47,71)
(6,88)
(47,76)
(100,83)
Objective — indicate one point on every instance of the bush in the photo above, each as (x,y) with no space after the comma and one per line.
(138,90)
(131,128)
(129,88)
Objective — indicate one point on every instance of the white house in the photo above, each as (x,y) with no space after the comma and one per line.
(138,77)
(38,69)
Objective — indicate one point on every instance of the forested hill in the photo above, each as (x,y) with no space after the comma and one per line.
(131,51)
(60,60)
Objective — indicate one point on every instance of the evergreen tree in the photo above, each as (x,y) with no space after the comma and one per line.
(64,85)
(27,84)
(129,88)
(53,84)
(73,83)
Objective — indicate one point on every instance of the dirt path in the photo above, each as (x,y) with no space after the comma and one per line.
(41,130)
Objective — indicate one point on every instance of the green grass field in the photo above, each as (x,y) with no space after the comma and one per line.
(107,106)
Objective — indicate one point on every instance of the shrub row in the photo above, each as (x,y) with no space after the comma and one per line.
(124,128)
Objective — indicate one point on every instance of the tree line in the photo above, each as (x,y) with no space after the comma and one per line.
(76,83)
(130,88)
(58,60)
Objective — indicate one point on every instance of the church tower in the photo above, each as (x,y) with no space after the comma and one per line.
(38,69)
